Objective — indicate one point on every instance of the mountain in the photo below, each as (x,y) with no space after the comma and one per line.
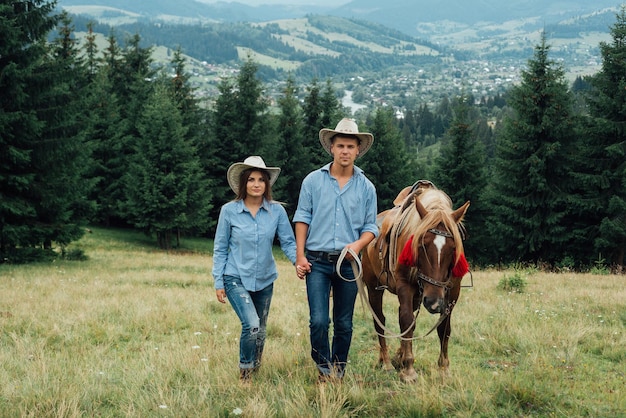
(407,15)
(116,11)
(404,15)
(483,57)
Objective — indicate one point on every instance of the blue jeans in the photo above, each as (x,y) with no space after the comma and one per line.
(318,285)
(252,308)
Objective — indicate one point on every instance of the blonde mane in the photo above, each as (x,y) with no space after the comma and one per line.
(439,207)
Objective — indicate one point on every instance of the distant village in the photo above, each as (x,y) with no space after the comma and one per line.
(427,85)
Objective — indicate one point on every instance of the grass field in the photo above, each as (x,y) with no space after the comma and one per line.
(137,332)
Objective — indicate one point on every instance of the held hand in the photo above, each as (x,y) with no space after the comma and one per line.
(303,267)
(221,295)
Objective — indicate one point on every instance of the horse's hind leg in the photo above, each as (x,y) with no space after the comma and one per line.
(376,302)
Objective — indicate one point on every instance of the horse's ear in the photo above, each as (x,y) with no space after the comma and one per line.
(458,214)
(420,208)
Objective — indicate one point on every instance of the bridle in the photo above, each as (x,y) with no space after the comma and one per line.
(447,284)
(357,268)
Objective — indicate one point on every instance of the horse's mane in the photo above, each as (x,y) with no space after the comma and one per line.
(439,207)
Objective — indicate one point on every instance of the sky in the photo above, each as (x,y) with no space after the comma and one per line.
(298,2)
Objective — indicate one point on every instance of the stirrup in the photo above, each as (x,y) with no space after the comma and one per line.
(382,287)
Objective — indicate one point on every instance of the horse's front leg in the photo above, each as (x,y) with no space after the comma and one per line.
(406,294)
(444,329)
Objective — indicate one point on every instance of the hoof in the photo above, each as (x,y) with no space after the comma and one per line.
(386,366)
(408,376)
(395,363)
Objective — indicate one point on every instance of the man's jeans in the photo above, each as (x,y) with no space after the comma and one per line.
(318,285)
(252,308)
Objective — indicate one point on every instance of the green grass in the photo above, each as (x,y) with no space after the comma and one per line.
(137,332)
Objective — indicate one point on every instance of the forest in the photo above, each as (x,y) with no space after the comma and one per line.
(90,137)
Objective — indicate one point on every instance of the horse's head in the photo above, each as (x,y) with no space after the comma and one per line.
(437,245)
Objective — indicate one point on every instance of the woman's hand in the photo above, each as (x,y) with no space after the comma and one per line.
(221,295)
(303,268)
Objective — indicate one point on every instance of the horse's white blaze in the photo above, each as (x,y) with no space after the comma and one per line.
(439,242)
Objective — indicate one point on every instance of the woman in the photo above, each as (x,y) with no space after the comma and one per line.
(243,265)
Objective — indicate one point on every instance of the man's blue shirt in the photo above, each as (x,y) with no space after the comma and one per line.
(243,244)
(336,217)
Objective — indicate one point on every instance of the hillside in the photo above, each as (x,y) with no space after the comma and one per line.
(385,65)
(183,11)
(409,15)
(298,38)
(315,46)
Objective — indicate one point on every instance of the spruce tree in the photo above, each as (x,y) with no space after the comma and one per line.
(251,125)
(131,79)
(91,52)
(532,180)
(313,122)
(194,118)
(329,106)
(460,172)
(240,128)
(61,157)
(166,191)
(292,157)
(40,153)
(605,151)
(459,167)
(387,163)
(104,132)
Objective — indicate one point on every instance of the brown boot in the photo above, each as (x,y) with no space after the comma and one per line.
(245,377)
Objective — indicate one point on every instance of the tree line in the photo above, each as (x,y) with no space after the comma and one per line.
(109,137)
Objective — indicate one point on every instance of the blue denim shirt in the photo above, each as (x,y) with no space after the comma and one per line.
(243,244)
(336,217)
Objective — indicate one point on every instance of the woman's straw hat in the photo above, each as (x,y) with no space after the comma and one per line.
(235,170)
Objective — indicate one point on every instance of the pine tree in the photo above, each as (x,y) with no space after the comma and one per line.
(104,132)
(91,52)
(61,157)
(532,179)
(166,191)
(459,167)
(131,79)
(460,171)
(40,153)
(292,156)
(313,115)
(251,125)
(330,106)
(240,128)
(387,163)
(194,118)
(605,150)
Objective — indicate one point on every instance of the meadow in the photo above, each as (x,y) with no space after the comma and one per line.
(137,332)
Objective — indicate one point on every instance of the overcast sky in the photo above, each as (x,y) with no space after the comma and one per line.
(259,2)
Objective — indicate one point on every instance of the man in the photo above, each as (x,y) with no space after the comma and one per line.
(336,209)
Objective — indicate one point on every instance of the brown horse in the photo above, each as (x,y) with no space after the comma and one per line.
(424,215)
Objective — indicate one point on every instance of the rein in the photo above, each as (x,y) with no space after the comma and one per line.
(357,269)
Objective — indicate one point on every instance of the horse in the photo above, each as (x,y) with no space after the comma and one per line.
(419,244)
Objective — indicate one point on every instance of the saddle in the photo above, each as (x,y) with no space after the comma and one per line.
(390,223)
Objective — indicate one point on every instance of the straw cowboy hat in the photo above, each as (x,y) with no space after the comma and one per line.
(347,126)
(235,170)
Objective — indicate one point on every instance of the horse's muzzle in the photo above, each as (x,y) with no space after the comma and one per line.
(434,305)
